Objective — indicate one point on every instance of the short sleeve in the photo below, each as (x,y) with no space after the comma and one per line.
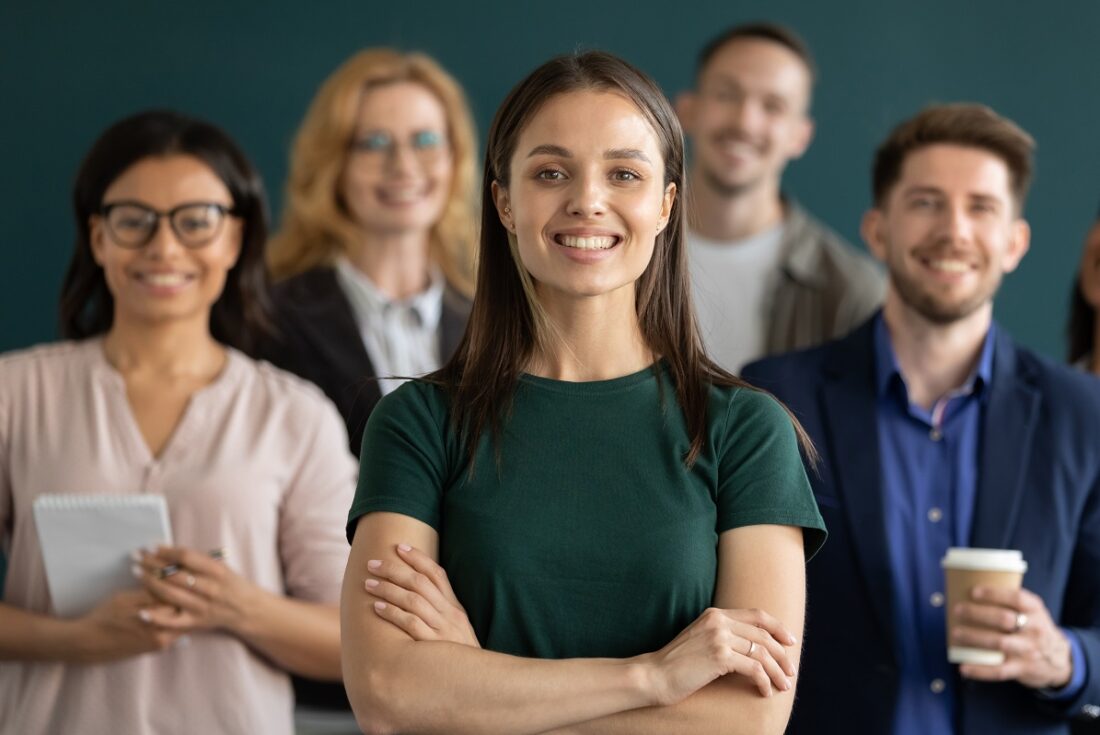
(311,546)
(403,463)
(761,478)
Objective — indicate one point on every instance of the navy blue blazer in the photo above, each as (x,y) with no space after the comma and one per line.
(1038,491)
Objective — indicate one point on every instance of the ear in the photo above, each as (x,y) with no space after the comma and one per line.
(803,136)
(503,204)
(870,227)
(1019,242)
(96,235)
(686,103)
(667,200)
(236,244)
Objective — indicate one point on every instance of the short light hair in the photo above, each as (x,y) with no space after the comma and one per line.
(316,225)
(963,124)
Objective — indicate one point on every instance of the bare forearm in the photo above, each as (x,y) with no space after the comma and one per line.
(300,637)
(728,706)
(27,636)
(477,691)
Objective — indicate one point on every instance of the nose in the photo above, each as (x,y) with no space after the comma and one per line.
(587,197)
(748,114)
(164,240)
(401,159)
(958,223)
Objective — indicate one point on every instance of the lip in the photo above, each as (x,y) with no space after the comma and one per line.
(163,282)
(403,196)
(590,234)
(946,267)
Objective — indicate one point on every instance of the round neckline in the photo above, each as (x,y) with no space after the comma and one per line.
(588,387)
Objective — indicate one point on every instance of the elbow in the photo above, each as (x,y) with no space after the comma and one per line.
(373,703)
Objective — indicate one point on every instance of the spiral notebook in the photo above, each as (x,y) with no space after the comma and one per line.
(87,541)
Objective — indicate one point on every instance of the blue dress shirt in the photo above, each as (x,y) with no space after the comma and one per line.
(929,474)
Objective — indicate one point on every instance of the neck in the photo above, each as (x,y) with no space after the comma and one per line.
(183,348)
(934,358)
(600,339)
(727,216)
(396,264)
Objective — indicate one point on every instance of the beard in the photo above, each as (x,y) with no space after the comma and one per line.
(937,308)
(717,179)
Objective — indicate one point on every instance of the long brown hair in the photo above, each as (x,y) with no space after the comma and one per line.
(507,325)
(316,224)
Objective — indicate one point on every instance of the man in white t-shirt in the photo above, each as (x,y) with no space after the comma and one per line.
(767,276)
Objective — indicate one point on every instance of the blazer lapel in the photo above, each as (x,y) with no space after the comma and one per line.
(1008,430)
(849,405)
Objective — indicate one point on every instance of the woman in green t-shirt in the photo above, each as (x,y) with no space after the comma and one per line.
(623,526)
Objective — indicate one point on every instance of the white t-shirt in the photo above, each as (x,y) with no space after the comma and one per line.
(732,282)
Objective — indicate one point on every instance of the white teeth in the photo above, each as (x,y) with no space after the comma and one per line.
(164,279)
(402,196)
(586,243)
(951,266)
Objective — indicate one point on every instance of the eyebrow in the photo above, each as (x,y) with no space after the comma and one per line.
(978,196)
(610,154)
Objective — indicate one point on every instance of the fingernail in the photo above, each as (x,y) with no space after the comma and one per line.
(371,583)
(791,640)
(144,616)
(183,641)
(379,606)
(136,570)
(977,593)
(786,685)
(958,609)
(135,555)
(404,547)
(374,564)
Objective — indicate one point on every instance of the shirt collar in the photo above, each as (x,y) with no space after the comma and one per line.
(367,300)
(886,363)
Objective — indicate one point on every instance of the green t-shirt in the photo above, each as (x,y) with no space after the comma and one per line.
(591,537)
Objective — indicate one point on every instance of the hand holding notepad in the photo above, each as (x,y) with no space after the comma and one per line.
(87,541)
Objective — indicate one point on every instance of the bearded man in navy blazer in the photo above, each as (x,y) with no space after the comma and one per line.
(936,430)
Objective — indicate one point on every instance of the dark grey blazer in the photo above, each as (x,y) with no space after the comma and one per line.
(318,339)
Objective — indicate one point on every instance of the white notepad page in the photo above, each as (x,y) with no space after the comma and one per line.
(87,541)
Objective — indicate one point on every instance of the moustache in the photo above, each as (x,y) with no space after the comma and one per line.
(735,135)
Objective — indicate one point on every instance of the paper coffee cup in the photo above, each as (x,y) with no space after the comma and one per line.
(965,569)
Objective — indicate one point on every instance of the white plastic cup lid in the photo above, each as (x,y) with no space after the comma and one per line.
(985,560)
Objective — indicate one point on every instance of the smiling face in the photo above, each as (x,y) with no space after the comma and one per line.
(163,280)
(586,202)
(398,173)
(948,231)
(748,117)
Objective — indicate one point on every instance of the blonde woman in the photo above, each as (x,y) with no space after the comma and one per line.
(375,251)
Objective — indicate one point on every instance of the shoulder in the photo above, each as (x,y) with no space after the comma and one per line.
(779,369)
(846,264)
(1064,387)
(46,364)
(263,383)
(306,292)
(414,402)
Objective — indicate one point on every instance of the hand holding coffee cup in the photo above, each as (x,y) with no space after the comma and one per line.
(996,629)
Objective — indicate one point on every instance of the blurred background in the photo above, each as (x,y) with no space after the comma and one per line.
(68,69)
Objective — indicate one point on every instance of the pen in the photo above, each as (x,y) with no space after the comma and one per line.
(169,569)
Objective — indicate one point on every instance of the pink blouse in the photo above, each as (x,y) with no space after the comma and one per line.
(258,465)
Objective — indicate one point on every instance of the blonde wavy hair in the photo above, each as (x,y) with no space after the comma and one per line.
(316,225)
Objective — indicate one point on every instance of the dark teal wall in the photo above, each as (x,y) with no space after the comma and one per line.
(68,69)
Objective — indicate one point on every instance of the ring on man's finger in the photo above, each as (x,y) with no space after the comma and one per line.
(189,580)
(752,649)
(1021,622)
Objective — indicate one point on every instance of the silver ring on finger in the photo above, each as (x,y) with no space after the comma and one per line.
(1021,622)
(190,580)
(752,649)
